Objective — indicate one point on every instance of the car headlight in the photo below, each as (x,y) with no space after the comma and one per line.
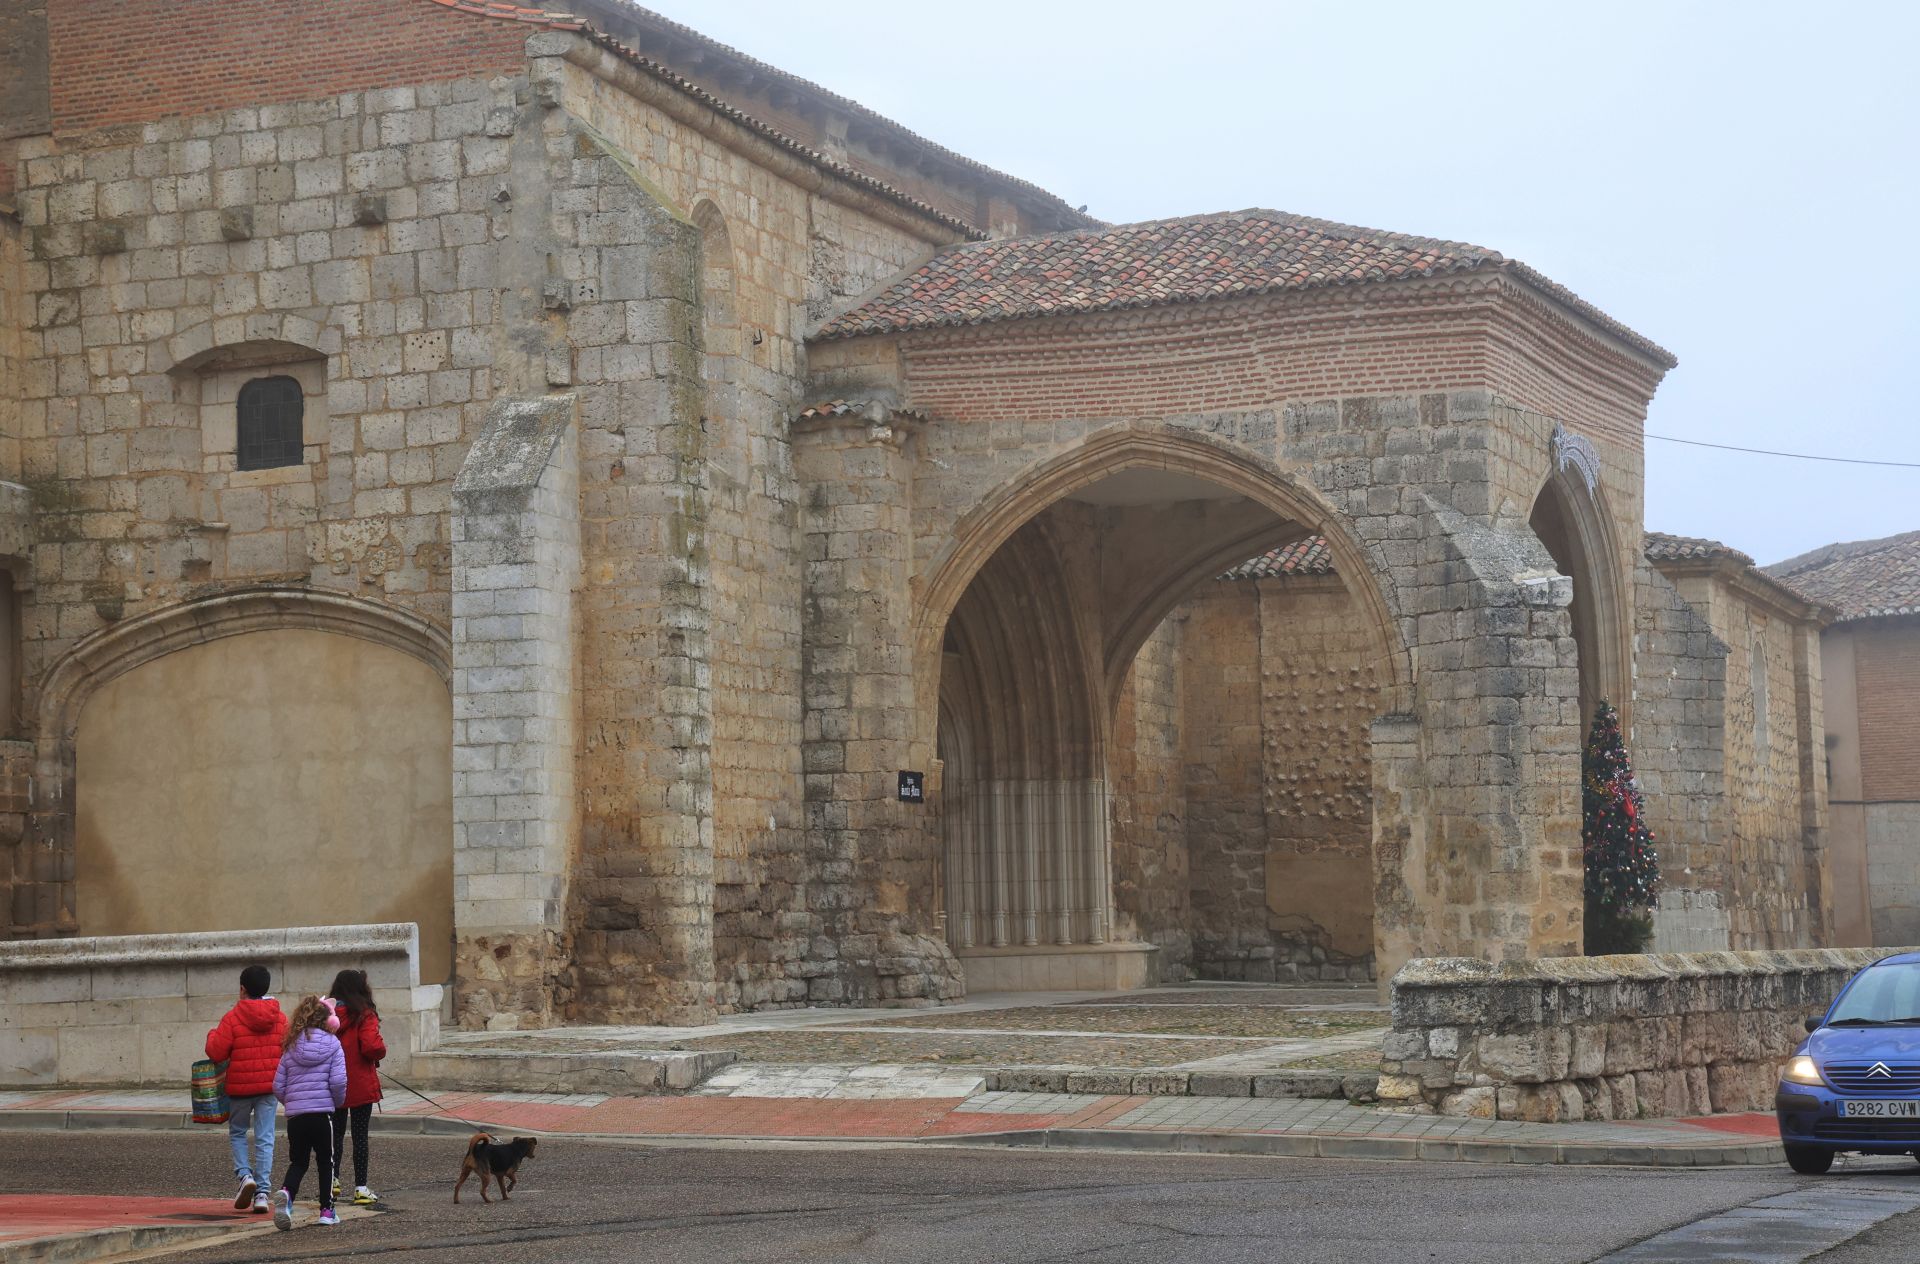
(1801,1070)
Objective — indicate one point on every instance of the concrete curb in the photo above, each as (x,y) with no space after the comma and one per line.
(1273,1144)
(117,1240)
(94,1244)
(1422,1149)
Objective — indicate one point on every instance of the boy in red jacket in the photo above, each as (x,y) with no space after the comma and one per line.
(248,1040)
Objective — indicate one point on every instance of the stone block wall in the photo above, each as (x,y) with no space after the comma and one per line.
(1152,891)
(1599,1038)
(1676,739)
(136,1009)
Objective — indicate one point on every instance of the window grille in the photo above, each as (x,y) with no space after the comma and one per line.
(268,423)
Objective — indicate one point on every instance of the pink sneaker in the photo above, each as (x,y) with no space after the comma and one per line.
(327,1217)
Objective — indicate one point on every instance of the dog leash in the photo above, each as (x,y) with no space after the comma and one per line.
(402,1084)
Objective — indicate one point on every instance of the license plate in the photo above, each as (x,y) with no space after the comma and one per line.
(1857,1109)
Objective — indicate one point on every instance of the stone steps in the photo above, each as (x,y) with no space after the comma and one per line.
(618,1073)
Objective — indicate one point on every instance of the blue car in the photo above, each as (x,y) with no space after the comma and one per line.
(1854,1083)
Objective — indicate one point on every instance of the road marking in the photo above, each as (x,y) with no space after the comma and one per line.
(1783,1229)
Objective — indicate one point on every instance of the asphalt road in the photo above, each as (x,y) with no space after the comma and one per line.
(584,1202)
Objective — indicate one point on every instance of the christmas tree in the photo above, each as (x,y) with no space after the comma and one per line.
(1623,870)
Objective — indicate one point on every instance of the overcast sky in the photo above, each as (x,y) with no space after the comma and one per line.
(1736,181)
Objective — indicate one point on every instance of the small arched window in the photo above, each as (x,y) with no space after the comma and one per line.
(268,423)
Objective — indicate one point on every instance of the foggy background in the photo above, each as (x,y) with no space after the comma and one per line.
(1735,181)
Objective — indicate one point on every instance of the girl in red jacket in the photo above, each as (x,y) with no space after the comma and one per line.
(360,1037)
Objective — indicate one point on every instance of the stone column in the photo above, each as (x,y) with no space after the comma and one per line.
(516,564)
(873,855)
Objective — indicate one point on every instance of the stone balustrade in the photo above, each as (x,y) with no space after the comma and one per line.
(1626,1037)
(136,1009)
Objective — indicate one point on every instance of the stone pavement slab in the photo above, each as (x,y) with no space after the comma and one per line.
(1144,1040)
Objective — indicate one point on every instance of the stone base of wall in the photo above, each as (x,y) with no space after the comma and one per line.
(136,1009)
(1284,961)
(1626,1037)
(1069,968)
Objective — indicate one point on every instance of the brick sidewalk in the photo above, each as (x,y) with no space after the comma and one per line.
(1248,1125)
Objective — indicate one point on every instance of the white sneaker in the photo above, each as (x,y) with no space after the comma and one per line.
(282,1210)
(363,1197)
(249,1188)
(260,1204)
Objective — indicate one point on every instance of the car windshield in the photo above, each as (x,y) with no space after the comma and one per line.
(1881,994)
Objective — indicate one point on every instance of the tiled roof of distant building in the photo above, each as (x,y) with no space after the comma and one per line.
(1175,261)
(1865,579)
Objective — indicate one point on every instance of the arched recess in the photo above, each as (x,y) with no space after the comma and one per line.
(978,535)
(1571,521)
(1025,633)
(263,757)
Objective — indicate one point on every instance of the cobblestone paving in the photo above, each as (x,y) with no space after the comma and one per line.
(1178,1019)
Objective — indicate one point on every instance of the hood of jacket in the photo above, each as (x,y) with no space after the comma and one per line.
(257,1014)
(314,1048)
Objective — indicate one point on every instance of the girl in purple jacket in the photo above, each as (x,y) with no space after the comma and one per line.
(311,1083)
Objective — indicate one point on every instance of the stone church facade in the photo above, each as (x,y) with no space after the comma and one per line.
(551,478)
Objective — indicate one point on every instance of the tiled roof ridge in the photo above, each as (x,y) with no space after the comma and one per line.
(1839,551)
(1442,257)
(683,31)
(572,22)
(1662,546)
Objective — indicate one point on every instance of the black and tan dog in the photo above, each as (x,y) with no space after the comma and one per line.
(493,1161)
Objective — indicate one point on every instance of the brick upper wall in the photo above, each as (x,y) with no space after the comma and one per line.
(138,60)
(1887,671)
(1229,355)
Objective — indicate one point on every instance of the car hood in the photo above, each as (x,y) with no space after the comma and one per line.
(1864,1044)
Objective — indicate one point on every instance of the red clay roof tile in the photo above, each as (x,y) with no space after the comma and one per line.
(1174,261)
(1866,579)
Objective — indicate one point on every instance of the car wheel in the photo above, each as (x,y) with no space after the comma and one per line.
(1809,1160)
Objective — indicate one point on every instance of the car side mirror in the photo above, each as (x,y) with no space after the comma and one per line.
(1813,1024)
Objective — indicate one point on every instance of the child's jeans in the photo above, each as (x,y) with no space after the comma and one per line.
(257,1113)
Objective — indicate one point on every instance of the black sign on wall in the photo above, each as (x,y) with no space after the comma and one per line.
(913,787)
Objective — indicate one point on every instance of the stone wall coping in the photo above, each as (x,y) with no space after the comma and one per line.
(217,945)
(1442,972)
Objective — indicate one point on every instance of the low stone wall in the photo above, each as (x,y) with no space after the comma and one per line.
(1625,1037)
(136,1009)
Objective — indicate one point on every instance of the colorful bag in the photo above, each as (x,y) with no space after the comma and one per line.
(210,1104)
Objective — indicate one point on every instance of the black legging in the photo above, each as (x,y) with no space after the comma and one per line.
(310,1134)
(360,1117)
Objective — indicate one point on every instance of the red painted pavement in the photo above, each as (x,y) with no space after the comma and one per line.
(25,1216)
(1752,1124)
